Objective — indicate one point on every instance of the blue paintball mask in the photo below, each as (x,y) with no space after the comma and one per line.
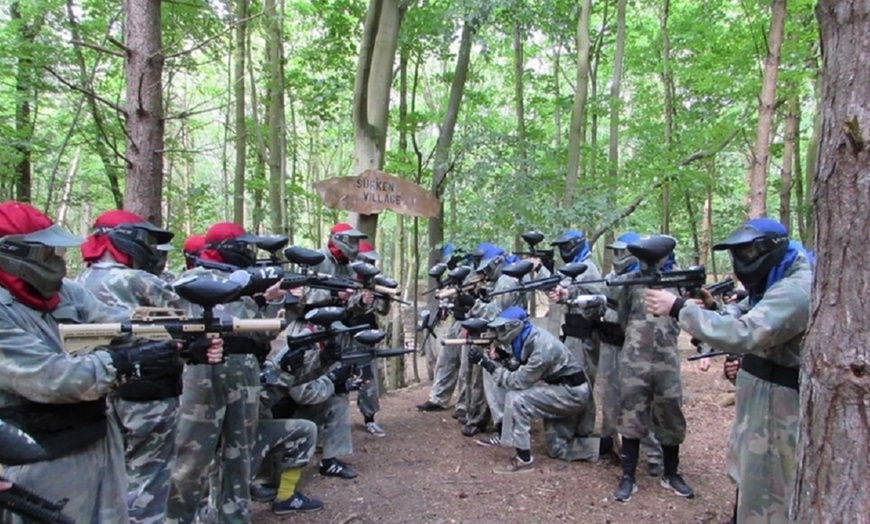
(623,260)
(572,246)
(755,248)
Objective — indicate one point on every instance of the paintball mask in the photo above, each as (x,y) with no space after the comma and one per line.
(571,243)
(139,241)
(345,239)
(755,248)
(238,251)
(623,260)
(492,260)
(508,325)
(39,265)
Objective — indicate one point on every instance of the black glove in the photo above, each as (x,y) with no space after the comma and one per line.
(341,378)
(475,355)
(292,360)
(488,365)
(465,300)
(195,351)
(330,352)
(145,357)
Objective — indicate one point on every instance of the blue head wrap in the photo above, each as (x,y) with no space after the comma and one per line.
(628,238)
(778,271)
(571,234)
(669,263)
(518,313)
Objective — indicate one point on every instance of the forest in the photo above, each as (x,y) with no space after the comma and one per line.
(674,116)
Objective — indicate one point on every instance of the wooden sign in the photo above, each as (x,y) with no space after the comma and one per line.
(375,191)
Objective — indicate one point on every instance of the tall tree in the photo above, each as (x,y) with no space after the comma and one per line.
(668,88)
(371,93)
(144,91)
(835,382)
(241,139)
(760,156)
(576,133)
(277,126)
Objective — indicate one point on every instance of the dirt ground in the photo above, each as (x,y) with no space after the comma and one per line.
(425,471)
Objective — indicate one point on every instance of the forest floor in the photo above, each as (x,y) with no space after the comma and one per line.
(425,471)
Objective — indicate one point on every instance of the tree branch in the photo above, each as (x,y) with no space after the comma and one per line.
(629,209)
(87,92)
(186,114)
(99,48)
(207,41)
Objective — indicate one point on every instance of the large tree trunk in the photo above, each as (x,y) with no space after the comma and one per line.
(577,131)
(144,77)
(241,139)
(277,131)
(668,88)
(833,458)
(25,94)
(371,94)
(761,154)
(615,106)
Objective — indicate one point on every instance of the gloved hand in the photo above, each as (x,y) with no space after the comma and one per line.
(489,365)
(292,360)
(145,357)
(195,351)
(330,351)
(475,355)
(342,379)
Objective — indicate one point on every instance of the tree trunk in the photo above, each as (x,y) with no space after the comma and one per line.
(577,131)
(277,148)
(25,94)
(241,140)
(761,154)
(67,187)
(833,462)
(371,94)
(257,215)
(788,154)
(557,109)
(668,87)
(812,162)
(144,91)
(707,219)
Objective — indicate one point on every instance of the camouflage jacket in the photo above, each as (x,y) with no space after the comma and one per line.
(640,326)
(33,364)
(591,273)
(489,310)
(544,358)
(314,392)
(116,284)
(771,329)
(324,297)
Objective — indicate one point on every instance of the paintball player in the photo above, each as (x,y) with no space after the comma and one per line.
(766,328)
(342,249)
(492,261)
(649,378)
(448,367)
(56,397)
(162,260)
(612,336)
(543,379)
(580,324)
(219,404)
(123,260)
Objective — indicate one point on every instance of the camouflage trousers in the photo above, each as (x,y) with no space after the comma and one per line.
(149,431)
(477,411)
(651,394)
(92,480)
(586,351)
(560,406)
(608,384)
(284,444)
(448,373)
(762,449)
(368,396)
(333,423)
(219,414)
(495,397)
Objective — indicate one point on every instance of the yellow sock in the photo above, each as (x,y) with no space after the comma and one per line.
(289,480)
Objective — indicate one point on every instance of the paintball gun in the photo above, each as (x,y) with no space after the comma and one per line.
(478,332)
(519,269)
(724,287)
(17,448)
(328,320)
(458,281)
(364,355)
(427,323)
(271,244)
(533,238)
(455,277)
(650,251)
(305,259)
(173,324)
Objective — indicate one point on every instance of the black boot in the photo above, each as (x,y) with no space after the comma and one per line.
(627,485)
(672,478)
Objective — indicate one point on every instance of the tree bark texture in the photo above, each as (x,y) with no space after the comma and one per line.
(277,125)
(761,154)
(668,88)
(788,153)
(834,441)
(144,90)
(25,75)
(576,131)
(241,138)
(371,95)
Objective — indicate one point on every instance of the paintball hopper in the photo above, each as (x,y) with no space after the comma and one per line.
(518,269)
(475,325)
(370,337)
(533,238)
(302,256)
(458,275)
(437,271)
(325,316)
(381,280)
(257,279)
(424,320)
(206,292)
(365,270)
(271,243)
(17,447)
(650,250)
(573,270)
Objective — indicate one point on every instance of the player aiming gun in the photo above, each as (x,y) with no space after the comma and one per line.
(478,334)
(650,251)
(363,355)
(520,269)
(533,238)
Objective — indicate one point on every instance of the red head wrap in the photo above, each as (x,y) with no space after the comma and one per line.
(98,243)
